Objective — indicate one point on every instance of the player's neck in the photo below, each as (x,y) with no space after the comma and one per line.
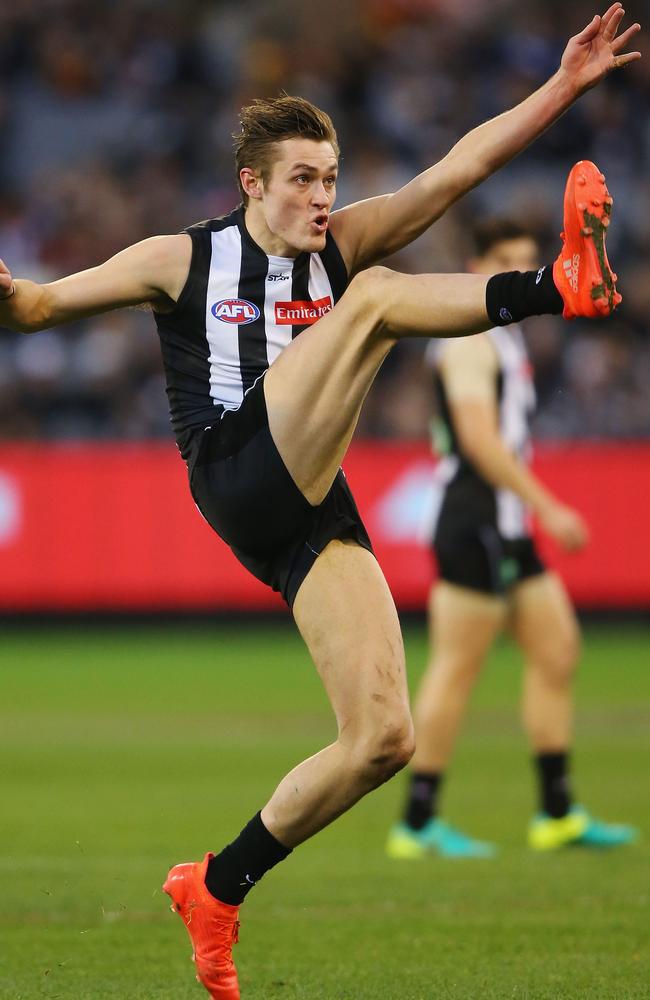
(268,241)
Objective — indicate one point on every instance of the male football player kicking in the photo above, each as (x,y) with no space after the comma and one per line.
(264,402)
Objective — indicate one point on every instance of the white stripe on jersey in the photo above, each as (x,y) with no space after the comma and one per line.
(319,283)
(277,289)
(516,408)
(223,338)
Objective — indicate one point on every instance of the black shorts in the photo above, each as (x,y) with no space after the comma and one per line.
(244,491)
(478,557)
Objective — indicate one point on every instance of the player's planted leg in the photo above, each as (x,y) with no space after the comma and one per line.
(348,620)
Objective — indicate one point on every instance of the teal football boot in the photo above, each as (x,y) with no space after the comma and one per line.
(436,837)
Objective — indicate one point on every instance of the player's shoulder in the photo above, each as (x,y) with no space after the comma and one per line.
(215,225)
(475,351)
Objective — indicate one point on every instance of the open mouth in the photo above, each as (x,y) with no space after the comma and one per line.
(320,223)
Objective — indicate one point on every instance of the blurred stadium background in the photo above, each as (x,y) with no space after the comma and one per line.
(114,125)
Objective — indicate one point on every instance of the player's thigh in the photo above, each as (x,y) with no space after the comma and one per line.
(315,388)
(347,617)
(544,623)
(463,624)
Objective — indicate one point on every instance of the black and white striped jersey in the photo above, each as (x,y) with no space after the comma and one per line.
(459,484)
(237,311)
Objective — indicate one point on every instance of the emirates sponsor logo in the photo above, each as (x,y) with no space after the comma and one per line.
(301,313)
(572,270)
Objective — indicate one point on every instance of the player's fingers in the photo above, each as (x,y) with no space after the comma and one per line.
(575,542)
(607,16)
(619,43)
(623,60)
(590,31)
(612,26)
(582,534)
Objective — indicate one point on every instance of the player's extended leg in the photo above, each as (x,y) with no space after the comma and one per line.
(463,626)
(316,387)
(545,626)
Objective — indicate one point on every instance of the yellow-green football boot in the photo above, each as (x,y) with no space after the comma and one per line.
(577,828)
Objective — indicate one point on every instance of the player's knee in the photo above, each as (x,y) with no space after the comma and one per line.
(560,658)
(368,290)
(388,750)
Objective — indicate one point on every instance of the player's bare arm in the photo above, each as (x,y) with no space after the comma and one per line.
(371,230)
(468,369)
(153,271)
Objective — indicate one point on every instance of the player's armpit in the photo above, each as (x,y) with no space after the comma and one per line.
(357,228)
(367,232)
(152,271)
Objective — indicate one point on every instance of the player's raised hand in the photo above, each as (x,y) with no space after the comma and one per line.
(6,281)
(597,50)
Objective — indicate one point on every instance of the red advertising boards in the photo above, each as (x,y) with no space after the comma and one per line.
(113,527)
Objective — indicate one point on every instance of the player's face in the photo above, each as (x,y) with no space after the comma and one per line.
(299,194)
(519,254)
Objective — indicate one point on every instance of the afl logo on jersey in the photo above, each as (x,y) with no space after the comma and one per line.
(235,311)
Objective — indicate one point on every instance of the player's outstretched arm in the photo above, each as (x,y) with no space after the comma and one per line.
(152,271)
(370,230)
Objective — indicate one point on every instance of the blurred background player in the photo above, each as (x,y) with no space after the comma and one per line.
(491,578)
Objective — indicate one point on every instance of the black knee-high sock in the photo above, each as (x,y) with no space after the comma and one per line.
(554,786)
(422,804)
(233,873)
(514,295)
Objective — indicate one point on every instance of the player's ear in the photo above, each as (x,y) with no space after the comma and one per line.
(251,182)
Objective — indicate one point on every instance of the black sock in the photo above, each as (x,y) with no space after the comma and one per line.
(233,873)
(555,790)
(422,803)
(513,295)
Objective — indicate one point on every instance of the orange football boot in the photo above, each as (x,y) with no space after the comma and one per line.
(212,926)
(581,273)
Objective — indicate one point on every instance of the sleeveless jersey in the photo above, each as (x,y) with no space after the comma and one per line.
(461,489)
(237,311)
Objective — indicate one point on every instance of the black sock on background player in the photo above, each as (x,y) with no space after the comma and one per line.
(233,873)
(554,786)
(422,804)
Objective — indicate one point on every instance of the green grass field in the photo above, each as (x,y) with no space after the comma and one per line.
(125,750)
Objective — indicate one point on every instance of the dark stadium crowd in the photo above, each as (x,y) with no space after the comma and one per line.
(115,124)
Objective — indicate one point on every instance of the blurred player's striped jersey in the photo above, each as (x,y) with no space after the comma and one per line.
(457,478)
